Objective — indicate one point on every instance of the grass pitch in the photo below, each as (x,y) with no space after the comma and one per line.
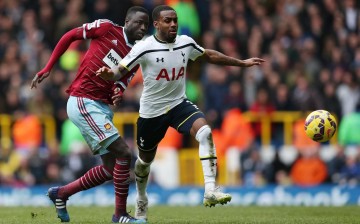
(170,214)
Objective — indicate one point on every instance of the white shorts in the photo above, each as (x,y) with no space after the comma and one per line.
(94,119)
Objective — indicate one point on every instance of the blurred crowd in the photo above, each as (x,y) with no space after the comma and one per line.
(312,53)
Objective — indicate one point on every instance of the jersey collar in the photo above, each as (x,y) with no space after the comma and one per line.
(163,42)
(126,39)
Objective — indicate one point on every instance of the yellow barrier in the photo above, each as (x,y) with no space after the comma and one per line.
(286,117)
(190,166)
(6,122)
(127,118)
(5,128)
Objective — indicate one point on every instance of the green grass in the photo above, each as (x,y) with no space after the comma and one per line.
(168,214)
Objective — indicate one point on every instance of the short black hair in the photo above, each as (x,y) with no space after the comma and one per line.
(132,10)
(158,9)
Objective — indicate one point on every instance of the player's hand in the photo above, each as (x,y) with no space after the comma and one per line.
(253,61)
(106,73)
(38,78)
(117,97)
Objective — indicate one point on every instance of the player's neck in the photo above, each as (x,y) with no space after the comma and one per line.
(163,41)
(128,38)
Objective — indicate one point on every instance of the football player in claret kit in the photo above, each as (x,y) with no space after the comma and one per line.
(163,58)
(88,106)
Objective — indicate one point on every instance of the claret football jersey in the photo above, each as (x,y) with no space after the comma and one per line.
(108,46)
(164,69)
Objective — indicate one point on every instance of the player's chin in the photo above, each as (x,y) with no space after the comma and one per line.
(172,36)
(140,35)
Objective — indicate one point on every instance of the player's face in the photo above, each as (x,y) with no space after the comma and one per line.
(167,25)
(137,26)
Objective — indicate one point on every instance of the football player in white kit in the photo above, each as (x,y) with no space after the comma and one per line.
(163,58)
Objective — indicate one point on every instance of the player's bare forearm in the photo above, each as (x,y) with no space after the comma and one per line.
(112,74)
(120,72)
(218,58)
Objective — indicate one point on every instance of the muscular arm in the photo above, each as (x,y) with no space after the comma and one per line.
(215,57)
(119,72)
(61,47)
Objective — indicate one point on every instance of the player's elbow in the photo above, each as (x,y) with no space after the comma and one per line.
(210,56)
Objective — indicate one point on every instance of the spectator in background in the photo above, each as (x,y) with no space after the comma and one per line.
(235,131)
(305,97)
(70,136)
(350,173)
(29,40)
(331,100)
(282,98)
(282,102)
(348,133)
(351,15)
(308,170)
(348,93)
(261,107)
(46,21)
(27,133)
(253,170)
(215,91)
(73,17)
(189,22)
(234,97)
(100,9)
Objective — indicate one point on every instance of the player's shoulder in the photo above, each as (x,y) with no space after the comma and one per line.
(101,23)
(107,22)
(145,43)
(185,39)
(150,40)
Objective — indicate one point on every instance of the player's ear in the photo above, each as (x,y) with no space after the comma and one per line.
(156,23)
(127,20)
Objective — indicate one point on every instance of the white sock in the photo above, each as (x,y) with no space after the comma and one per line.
(207,154)
(142,170)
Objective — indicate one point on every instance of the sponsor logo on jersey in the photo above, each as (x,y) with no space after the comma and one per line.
(163,74)
(112,59)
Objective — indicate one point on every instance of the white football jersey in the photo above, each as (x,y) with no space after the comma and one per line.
(163,67)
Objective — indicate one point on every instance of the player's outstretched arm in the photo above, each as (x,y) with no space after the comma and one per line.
(218,58)
(112,74)
(60,48)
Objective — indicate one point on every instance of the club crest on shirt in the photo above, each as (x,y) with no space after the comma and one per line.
(107,126)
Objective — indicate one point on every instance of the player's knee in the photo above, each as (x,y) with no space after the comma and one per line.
(144,163)
(120,149)
(203,134)
(142,168)
(147,157)
(124,152)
